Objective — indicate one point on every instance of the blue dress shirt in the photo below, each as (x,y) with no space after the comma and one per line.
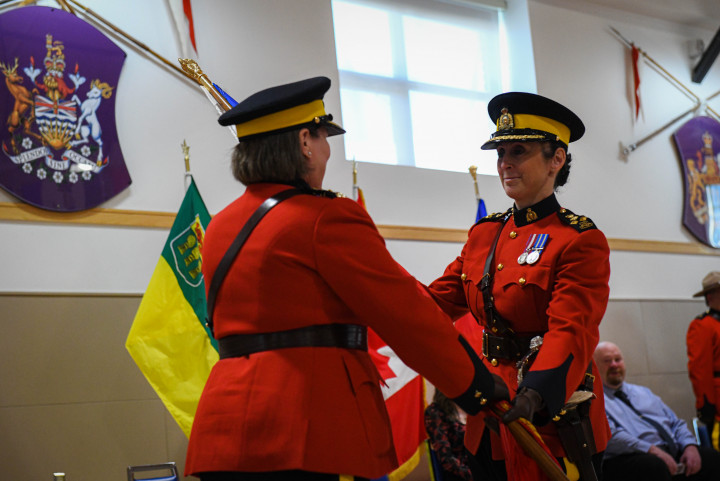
(630,434)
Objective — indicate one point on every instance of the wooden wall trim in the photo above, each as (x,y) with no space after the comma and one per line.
(18,212)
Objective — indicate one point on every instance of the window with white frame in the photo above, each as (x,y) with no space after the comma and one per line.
(415,80)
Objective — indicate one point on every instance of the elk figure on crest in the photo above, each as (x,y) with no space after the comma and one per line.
(22,115)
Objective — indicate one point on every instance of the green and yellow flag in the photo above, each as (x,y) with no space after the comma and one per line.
(168,339)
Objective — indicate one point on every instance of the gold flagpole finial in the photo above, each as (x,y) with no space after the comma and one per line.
(354,173)
(186,152)
(355,189)
(192,70)
(473,173)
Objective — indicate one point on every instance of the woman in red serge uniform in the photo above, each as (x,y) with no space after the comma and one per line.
(295,395)
(536,279)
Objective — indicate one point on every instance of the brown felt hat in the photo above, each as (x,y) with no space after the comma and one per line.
(709,283)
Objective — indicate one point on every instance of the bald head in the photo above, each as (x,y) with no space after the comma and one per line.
(610,363)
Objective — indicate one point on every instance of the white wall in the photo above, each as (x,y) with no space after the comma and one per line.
(251,44)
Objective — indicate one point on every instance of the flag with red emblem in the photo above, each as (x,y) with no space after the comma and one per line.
(403,391)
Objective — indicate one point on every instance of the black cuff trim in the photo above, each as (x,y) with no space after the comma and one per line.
(482,388)
(550,384)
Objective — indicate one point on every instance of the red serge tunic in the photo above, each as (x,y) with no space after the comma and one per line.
(312,260)
(563,296)
(703,349)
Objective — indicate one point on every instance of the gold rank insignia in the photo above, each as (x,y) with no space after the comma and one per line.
(578,222)
(505,121)
(530,215)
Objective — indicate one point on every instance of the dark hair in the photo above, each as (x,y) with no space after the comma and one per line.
(271,158)
(548,150)
(446,406)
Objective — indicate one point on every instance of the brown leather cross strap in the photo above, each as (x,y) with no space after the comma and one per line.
(232,252)
(493,319)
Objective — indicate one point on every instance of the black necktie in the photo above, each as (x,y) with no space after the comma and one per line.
(667,439)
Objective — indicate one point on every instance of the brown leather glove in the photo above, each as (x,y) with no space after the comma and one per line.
(525,405)
(501,390)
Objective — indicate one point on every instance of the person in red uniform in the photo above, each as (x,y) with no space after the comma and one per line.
(295,395)
(703,349)
(536,279)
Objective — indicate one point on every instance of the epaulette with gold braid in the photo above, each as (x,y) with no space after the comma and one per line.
(329,194)
(496,217)
(578,222)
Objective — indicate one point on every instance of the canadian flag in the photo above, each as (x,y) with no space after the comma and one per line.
(404,394)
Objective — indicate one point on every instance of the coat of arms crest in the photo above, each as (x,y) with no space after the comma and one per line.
(698,144)
(60,149)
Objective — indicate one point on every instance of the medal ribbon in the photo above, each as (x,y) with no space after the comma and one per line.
(540,243)
(530,243)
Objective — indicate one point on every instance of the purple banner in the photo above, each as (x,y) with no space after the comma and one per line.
(60,149)
(698,144)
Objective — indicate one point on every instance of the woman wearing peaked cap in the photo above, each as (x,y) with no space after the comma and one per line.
(536,279)
(295,395)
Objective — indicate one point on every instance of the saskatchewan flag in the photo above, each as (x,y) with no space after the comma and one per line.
(168,339)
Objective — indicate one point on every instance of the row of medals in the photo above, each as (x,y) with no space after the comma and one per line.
(533,249)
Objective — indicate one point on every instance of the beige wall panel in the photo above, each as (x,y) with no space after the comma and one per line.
(177,444)
(68,349)
(623,325)
(72,398)
(666,324)
(88,441)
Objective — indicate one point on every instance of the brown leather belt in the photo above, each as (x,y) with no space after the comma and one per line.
(346,336)
(499,347)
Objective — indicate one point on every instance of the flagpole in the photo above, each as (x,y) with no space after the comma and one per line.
(117,30)
(667,74)
(192,70)
(626,150)
(355,184)
(188,174)
(473,173)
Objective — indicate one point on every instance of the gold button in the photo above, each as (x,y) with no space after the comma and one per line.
(556,418)
(563,210)
(493,362)
(463,276)
(478,394)
(522,281)
(513,234)
(500,267)
(494,329)
(483,401)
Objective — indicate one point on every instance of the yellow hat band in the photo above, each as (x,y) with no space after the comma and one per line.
(538,122)
(298,115)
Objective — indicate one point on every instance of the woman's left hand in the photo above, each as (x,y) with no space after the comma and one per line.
(525,405)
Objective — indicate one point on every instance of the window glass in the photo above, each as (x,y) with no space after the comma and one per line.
(362,34)
(415,79)
(442,54)
(451,140)
(371,125)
